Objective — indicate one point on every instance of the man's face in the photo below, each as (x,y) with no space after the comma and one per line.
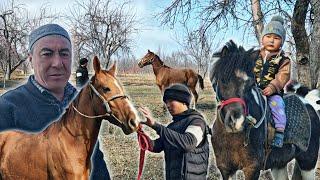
(272,42)
(51,61)
(175,107)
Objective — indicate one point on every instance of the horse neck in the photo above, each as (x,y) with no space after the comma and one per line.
(80,127)
(157,64)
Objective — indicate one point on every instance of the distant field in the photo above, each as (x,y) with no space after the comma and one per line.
(122,152)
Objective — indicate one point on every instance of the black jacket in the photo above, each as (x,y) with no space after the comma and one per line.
(82,76)
(183,159)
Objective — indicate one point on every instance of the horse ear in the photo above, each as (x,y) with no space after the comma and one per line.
(222,53)
(96,64)
(113,69)
(149,51)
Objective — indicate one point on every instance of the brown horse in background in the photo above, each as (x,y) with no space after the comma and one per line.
(64,148)
(166,75)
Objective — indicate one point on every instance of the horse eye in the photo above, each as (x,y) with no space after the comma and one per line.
(106,89)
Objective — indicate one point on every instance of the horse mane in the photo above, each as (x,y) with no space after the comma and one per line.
(161,62)
(232,58)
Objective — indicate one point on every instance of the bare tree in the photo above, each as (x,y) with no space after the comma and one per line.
(198,46)
(13,36)
(102,28)
(15,25)
(222,15)
(301,40)
(257,16)
(315,44)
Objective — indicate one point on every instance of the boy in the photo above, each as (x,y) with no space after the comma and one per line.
(184,141)
(272,72)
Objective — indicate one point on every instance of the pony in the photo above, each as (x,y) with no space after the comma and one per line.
(311,96)
(240,142)
(63,149)
(166,75)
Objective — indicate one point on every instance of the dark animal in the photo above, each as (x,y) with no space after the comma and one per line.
(237,146)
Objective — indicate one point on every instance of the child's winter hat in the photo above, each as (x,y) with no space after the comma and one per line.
(275,26)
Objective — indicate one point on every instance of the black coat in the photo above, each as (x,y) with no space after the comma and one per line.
(82,76)
(183,159)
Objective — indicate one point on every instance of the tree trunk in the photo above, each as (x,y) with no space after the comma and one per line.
(315,44)
(257,18)
(301,39)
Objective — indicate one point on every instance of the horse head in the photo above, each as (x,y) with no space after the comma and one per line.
(147,59)
(111,100)
(232,79)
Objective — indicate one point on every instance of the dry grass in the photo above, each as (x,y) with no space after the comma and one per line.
(122,152)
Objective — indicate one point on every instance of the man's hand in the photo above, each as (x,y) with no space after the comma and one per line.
(147,114)
(267,91)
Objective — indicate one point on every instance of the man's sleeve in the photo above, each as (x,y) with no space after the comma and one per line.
(7,120)
(184,141)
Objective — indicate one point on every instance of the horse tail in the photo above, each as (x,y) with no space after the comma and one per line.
(201,81)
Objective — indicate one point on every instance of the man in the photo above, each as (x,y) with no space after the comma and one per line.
(34,105)
(184,141)
(82,76)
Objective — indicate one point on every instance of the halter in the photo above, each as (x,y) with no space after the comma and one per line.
(223,103)
(151,60)
(106,105)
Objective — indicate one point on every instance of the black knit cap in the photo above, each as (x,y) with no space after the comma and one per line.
(83,61)
(178,92)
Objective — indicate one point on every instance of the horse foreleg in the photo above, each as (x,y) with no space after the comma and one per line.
(280,173)
(299,174)
(251,173)
(296,172)
(226,174)
(196,96)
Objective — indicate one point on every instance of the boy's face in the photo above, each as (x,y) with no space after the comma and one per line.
(175,107)
(272,42)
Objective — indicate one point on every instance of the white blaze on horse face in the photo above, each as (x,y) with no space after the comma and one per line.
(242,75)
(132,108)
(239,123)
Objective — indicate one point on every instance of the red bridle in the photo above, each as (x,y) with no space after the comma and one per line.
(223,103)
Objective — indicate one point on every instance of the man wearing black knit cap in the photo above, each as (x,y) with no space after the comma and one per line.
(184,141)
(47,93)
(82,76)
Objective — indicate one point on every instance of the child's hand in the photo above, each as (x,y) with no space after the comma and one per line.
(147,114)
(267,91)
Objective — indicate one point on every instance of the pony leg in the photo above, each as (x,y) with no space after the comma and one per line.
(299,174)
(251,173)
(280,173)
(226,174)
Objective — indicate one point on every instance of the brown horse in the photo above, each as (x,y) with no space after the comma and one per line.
(64,148)
(166,75)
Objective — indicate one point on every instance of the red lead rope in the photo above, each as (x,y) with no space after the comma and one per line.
(144,144)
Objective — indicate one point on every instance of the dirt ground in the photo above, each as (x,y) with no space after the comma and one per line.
(122,152)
